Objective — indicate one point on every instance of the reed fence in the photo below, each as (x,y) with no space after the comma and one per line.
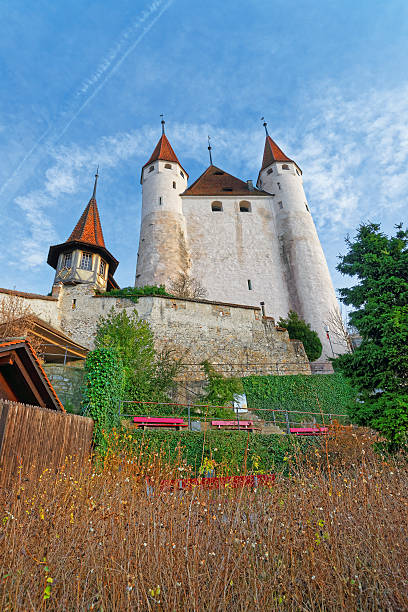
(33,438)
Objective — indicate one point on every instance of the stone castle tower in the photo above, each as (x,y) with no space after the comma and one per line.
(244,244)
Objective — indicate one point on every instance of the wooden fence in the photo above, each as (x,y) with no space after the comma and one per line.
(33,438)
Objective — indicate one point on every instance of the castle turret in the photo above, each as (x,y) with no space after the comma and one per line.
(311,291)
(163,249)
(84,258)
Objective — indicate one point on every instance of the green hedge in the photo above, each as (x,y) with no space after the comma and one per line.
(326,394)
(227,448)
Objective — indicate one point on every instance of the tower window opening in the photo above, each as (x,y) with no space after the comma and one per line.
(102,268)
(297,172)
(218,173)
(67,260)
(244,206)
(73,304)
(216,206)
(285,167)
(279,186)
(182,173)
(151,168)
(249,285)
(270,171)
(307,208)
(280,204)
(168,166)
(174,184)
(160,200)
(86,261)
(227,188)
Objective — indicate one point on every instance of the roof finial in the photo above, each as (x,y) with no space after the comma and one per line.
(209,151)
(162,122)
(96,180)
(265,125)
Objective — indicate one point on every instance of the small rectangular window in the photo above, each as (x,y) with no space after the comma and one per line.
(67,260)
(160,200)
(86,261)
(307,208)
(174,184)
(249,285)
(278,184)
(102,268)
(280,204)
(151,168)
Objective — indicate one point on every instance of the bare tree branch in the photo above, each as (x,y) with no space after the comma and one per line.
(187,286)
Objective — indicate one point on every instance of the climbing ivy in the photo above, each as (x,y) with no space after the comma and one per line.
(324,394)
(220,392)
(103,388)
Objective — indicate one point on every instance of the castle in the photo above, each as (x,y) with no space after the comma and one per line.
(254,249)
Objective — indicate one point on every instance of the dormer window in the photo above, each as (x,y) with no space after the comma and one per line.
(168,166)
(102,268)
(86,261)
(216,206)
(244,206)
(227,188)
(151,168)
(67,260)
(218,173)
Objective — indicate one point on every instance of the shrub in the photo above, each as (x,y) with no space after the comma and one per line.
(300,330)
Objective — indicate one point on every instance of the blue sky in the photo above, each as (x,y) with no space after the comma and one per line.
(84,83)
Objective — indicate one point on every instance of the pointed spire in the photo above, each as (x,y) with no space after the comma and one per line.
(272,152)
(89,229)
(209,151)
(162,122)
(163,151)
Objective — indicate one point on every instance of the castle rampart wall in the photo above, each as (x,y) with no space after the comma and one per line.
(43,306)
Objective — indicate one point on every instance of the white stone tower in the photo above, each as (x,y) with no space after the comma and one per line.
(163,251)
(309,283)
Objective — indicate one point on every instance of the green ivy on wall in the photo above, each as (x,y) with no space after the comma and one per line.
(133,293)
(326,394)
(103,388)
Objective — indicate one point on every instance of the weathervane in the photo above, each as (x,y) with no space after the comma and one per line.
(162,122)
(265,125)
(209,151)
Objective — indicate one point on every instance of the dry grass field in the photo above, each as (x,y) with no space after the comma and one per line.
(331,534)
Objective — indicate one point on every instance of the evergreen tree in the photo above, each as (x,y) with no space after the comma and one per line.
(300,330)
(379,367)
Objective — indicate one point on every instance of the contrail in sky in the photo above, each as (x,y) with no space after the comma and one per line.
(106,69)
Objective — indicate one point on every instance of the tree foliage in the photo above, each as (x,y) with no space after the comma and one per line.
(133,293)
(379,367)
(298,329)
(220,392)
(148,374)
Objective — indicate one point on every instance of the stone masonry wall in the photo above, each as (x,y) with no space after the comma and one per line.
(235,337)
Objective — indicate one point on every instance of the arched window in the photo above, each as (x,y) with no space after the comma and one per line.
(151,168)
(216,206)
(244,206)
(167,166)
(269,171)
(285,167)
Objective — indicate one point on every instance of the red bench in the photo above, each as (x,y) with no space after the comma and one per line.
(234,424)
(309,431)
(159,422)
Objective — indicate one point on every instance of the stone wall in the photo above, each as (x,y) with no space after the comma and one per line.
(236,337)
(67,382)
(43,306)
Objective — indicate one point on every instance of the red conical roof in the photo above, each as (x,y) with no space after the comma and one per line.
(272,153)
(89,229)
(164,152)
